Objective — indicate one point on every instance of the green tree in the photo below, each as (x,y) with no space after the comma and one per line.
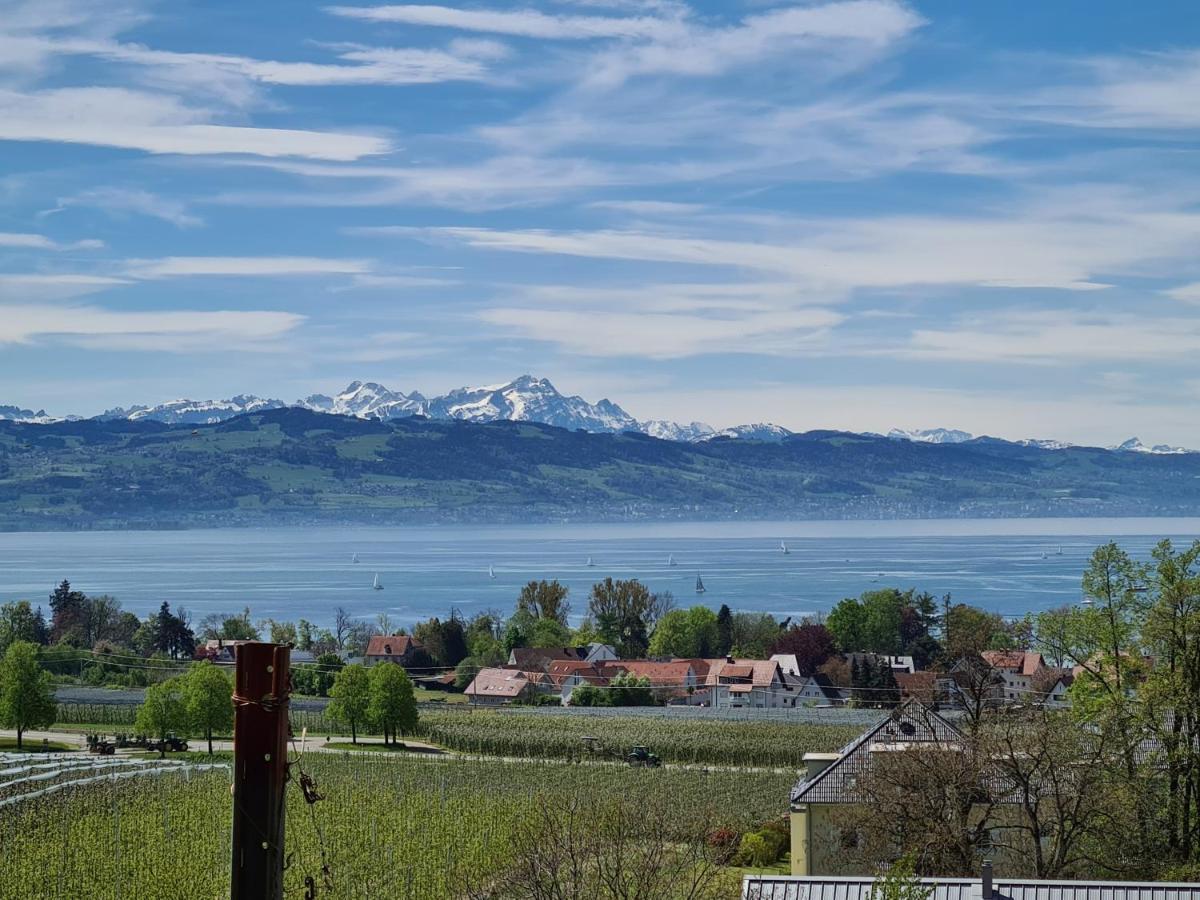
(19,622)
(391,706)
(900,882)
(162,711)
(304,635)
(970,631)
(724,630)
(883,619)
(689,633)
(847,623)
(26,690)
(351,693)
(753,633)
(624,613)
(207,697)
(545,600)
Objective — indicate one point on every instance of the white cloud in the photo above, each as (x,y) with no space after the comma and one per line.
(29,287)
(1058,337)
(1189,293)
(664,336)
(157,330)
(182,266)
(158,123)
(115,200)
(41,242)
(518,23)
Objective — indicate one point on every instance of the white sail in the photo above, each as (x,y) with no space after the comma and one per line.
(377,584)
(354,558)
(491,572)
(784,547)
(699,584)
(671,560)
(589,561)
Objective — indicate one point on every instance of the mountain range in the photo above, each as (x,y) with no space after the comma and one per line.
(525,399)
(299,466)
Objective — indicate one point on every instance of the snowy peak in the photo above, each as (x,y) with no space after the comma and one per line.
(196,412)
(1133,445)
(16,414)
(931,435)
(367,400)
(530,399)
(674,431)
(759,431)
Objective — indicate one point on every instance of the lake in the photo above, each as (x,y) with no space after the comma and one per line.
(1008,565)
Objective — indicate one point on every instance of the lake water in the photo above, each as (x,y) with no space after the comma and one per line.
(291,573)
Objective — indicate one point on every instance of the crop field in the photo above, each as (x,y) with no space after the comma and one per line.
(388,827)
(715,742)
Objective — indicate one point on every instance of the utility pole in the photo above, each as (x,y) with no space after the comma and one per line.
(260,733)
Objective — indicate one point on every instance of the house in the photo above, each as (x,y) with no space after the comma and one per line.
(730,682)
(1019,668)
(564,675)
(496,687)
(922,686)
(395,648)
(221,651)
(986,887)
(896,663)
(1052,685)
(538,659)
(816,689)
(833,781)
(670,679)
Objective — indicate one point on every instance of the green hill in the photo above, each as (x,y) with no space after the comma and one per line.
(294,466)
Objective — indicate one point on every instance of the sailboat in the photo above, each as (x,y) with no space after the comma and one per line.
(1059,553)
(491,572)
(377,585)
(354,558)
(699,584)
(784,548)
(590,563)
(671,560)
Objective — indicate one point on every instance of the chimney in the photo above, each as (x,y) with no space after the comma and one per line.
(987,879)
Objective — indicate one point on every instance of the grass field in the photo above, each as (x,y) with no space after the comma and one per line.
(391,826)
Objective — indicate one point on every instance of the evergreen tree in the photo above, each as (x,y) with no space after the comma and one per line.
(67,615)
(724,630)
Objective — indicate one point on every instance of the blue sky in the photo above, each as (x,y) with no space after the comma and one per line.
(858,214)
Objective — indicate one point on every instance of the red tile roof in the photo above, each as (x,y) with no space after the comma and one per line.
(1023,661)
(505,683)
(391,645)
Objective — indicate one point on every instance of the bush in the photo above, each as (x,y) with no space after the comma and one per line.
(723,842)
(754,851)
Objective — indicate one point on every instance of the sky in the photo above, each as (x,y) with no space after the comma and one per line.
(857,214)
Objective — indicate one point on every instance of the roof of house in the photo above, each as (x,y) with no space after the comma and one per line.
(675,672)
(539,658)
(910,723)
(819,887)
(916,684)
(506,683)
(761,672)
(1024,662)
(391,645)
(819,680)
(561,670)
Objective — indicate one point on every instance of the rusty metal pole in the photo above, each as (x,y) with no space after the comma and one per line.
(260,733)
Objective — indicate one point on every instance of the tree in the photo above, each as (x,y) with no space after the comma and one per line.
(228,627)
(19,622)
(342,620)
(304,635)
(686,633)
(882,621)
(317,679)
(163,711)
(282,632)
(171,635)
(67,616)
(847,623)
(545,600)
(724,630)
(392,706)
(26,690)
(970,631)
(811,643)
(624,613)
(753,633)
(900,882)
(207,698)
(351,693)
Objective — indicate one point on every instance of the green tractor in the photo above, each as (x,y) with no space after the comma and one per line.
(641,757)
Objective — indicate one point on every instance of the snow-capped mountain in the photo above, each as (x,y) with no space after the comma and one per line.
(676,431)
(16,414)
(195,412)
(1046,444)
(1133,445)
(367,400)
(529,399)
(931,435)
(759,431)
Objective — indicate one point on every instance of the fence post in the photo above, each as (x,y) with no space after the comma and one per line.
(260,732)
